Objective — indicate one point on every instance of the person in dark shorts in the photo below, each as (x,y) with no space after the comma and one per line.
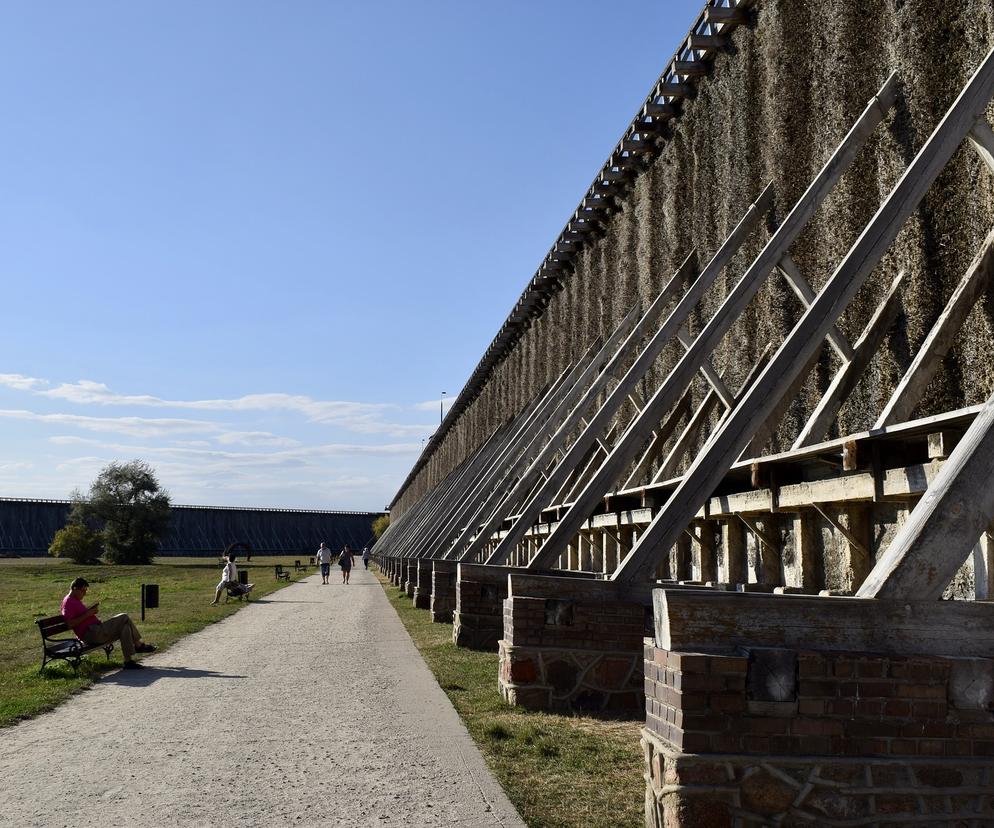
(365,557)
(345,562)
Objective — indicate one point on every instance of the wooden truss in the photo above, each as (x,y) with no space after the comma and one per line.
(563,456)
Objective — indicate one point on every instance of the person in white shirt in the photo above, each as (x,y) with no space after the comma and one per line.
(229,576)
(324,558)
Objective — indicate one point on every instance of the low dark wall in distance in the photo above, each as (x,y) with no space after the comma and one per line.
(28,526)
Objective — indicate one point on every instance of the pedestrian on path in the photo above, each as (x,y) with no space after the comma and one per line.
(324,559)
(91,630)
(365,557)
(345,562)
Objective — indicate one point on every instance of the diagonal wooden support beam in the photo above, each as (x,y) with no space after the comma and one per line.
(738,428)
(842,385)
(501,480)
(940,338)
(660,436)
(842,530)
(522,490)
(708,370)
(644,424)
(691,433)
(793,276)
(943,528)
(982,139)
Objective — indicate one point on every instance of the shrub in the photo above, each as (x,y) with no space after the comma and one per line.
(78,542)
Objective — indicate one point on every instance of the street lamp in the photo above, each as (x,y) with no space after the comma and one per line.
(440,403)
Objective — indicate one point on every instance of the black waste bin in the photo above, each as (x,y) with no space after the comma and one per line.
(151,595)
(242,576)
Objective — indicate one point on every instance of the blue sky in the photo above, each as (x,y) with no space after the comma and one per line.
(252,243)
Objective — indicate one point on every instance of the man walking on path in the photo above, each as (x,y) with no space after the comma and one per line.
(141,748)
(324,559)
(90,630)
(365,557)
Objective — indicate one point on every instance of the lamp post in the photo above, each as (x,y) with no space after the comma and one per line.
(440,403)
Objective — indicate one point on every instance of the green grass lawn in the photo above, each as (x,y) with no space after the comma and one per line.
(33,588)
(559,771)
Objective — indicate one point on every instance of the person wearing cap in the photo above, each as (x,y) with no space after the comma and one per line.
(91,630)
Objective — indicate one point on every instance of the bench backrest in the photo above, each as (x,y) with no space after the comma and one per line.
(279,569)
(52,626)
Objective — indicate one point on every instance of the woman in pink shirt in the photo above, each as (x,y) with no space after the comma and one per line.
(91,630)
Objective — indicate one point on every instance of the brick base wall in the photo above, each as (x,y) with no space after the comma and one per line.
(572,656)
(443,592)
(478,620)
(422,586)
(570,681)
(777,737)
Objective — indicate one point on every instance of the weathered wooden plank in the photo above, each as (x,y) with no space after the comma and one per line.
(690,68)
(944,527)
(940,338)
(691,621)
(688,437)
(738,428)
(845,380)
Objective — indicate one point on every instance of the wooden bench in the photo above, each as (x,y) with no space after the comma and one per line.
(71,650)
(282,574)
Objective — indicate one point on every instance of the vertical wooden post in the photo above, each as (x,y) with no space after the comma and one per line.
(769,552)
(861,528)
(733,543)
(597,551)
(684,558)
(586,557)
(807,550)
(983,577)
(707,569)
(610,553)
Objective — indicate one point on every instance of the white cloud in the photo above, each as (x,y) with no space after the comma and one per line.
(130,426)
(255,438)
(20,382)
(363,418)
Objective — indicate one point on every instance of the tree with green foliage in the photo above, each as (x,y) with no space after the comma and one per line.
(76,541)
(128,509)
(380,525)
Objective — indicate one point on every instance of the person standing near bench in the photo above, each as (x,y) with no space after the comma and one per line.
(324,559)
(91,630)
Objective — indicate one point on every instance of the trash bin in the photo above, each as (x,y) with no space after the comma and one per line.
(242,576)
(151,595)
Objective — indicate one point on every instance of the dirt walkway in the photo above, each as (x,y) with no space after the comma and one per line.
(310,707)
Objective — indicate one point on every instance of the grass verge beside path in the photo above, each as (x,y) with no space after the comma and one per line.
(32,588)
(559,771)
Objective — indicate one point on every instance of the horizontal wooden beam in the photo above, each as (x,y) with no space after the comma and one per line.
(689,621)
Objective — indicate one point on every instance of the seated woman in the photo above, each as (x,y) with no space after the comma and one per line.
(229,578)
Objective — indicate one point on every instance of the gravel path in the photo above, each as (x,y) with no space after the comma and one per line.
(309,707)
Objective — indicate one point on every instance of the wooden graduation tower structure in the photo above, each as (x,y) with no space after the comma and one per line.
(682,519)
